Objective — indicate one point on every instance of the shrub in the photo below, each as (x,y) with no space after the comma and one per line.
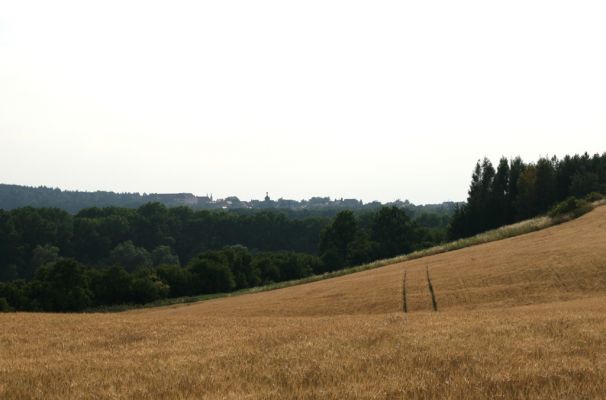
(112,286)
(177,278)
(16,294)
(147,287)
(570,207)
(212,277)
(62,286)
(594,196)
(4,306)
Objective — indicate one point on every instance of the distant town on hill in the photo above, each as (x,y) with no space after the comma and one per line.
(17,196)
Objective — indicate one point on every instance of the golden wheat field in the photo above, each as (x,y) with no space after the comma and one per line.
(521,318)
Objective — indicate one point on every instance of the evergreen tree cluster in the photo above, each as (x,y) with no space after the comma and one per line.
(516,190)
(351,240)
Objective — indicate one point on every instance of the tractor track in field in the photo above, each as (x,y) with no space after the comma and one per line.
(430,286)
(404,304)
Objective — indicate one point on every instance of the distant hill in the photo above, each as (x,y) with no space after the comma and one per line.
(17,196)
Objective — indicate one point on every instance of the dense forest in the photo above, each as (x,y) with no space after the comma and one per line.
(104,236)
(152,252)
(52,260)
(516,190)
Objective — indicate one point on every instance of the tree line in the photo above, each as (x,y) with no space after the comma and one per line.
(149,235)
(67,285)
(52,261)
(351,240)
(517,190)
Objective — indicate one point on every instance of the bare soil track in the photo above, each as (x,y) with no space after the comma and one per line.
(524,317)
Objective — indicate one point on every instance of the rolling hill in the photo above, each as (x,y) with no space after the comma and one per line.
(522,317)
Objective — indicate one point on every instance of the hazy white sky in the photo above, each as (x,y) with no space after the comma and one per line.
(372,100)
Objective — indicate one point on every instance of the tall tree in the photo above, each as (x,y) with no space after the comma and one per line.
(516,168)
(486,179)
(336,239)
(393,232)
(63,286)
(497,206)
(474,201)
(527,196)
(545,184)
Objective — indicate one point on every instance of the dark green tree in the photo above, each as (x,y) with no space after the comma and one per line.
(62,286)
(130,257)
(545,184)
(163,255)
(178,279)
(527,196)
(336,239)
(44,255)
(583,183)
(497,202)
(475,202)
(211,276)
(239,262)
(148,287)
(112,286)
(393,232)
(516,169)
(18,294)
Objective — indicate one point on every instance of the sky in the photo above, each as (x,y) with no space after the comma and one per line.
(376,100)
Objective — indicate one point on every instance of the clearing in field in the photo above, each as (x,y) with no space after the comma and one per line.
(523,317)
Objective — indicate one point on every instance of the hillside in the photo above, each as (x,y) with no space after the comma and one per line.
(559,263)
(518,318)
(17,196)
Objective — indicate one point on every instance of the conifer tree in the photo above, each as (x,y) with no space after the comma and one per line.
(497,207)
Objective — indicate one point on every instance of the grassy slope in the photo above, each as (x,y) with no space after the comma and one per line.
(519,318)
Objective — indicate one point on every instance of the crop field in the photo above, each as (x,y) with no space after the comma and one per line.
(523,318)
